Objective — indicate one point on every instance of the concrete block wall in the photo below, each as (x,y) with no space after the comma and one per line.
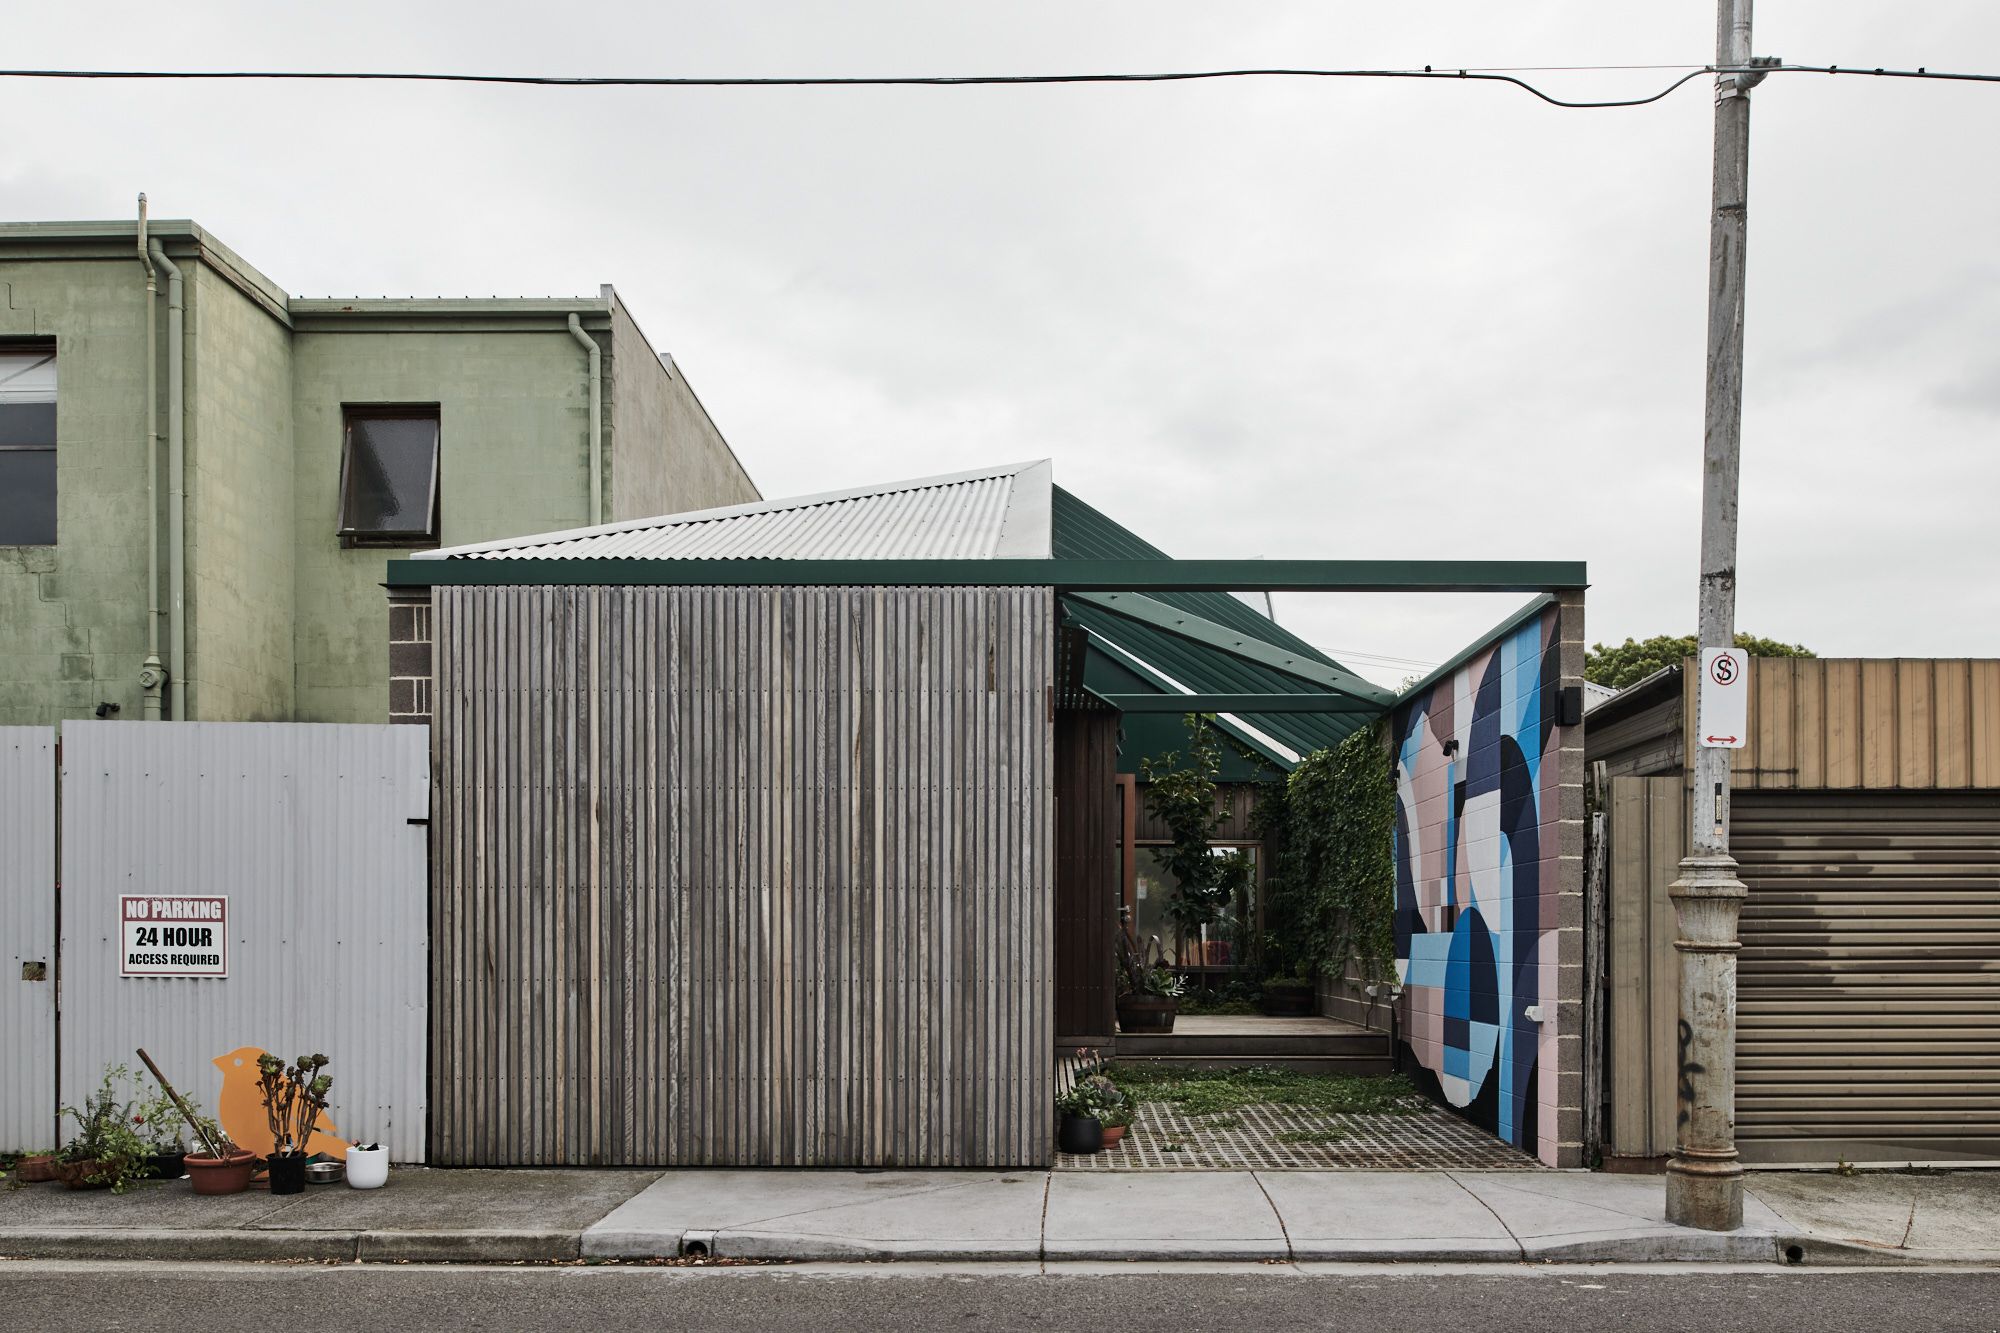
(1489,884)
(282,622)
(73,615)
(240,557)
(665,454)
(513,414)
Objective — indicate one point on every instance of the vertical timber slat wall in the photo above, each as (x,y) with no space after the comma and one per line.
(1648,830)
(1088,832)
(743,876)
(1914,724)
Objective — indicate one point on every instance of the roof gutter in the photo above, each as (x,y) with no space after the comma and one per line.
(152,677)
(176,490)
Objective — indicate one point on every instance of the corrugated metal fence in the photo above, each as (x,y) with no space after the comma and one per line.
(742,876)
(315,834)
(27,937)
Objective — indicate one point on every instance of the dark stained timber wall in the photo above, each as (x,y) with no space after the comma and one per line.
(738,876)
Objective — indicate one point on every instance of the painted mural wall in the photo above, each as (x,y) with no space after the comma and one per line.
(1479,883)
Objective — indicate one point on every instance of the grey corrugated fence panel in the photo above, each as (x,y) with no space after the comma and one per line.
(27,937)
(743,876)
(306,826)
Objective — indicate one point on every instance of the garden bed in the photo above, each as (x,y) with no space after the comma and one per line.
(1275,1119)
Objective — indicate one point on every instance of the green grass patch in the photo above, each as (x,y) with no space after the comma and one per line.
(1220,1092)
(1319,1136)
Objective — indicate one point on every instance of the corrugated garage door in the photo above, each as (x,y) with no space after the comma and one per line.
(1870,981)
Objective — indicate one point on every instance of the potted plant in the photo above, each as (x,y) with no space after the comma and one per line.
(1079,1131)
(1288,997)
(159,1122)
(221,1167)
(34,1168)
(367,1166)
(1149,1001)
(1111,1105)
(294,1095)
(106,1152)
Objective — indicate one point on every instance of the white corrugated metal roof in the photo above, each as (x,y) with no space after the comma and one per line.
(992,513)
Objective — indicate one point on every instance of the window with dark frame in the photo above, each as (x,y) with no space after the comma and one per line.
(27,444)
(389,476)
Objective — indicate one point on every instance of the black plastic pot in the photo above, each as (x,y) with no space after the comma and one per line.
(1080,1133)
(288,1173)
(167,1165)
(1288,1001)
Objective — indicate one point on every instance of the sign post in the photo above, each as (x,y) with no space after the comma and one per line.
(173,936)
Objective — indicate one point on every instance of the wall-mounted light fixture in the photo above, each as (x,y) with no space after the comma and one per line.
(1450,747)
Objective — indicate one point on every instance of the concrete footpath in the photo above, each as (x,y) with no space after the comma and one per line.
(536,1216)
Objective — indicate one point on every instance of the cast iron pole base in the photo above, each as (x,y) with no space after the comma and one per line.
(1705,1179)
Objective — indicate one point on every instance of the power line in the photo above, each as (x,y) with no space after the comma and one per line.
(1475,74)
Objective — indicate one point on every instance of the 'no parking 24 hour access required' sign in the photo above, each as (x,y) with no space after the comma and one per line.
(174,935)
(1722,700)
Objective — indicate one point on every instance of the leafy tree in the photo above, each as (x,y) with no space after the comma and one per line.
(1632,661)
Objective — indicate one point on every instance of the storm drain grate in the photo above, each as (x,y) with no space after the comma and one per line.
(1283,1138)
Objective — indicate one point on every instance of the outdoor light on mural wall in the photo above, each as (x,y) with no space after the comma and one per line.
(1450,747)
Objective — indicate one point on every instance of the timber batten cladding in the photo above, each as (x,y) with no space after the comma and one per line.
(741,876)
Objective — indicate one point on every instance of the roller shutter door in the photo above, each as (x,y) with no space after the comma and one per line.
(1869,987)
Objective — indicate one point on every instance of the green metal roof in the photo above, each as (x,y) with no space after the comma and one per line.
(1084,533)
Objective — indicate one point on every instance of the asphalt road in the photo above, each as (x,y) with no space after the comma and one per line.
(220,1297)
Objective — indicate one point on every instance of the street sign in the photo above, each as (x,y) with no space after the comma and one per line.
(179,936)
(1722,701)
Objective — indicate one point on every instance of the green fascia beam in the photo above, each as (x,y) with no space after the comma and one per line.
(1067,575)
(1158,615)
(1239,703)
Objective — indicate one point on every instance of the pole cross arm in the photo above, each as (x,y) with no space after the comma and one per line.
(1144,610)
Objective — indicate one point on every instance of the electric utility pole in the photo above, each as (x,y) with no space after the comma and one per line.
(1705,1179)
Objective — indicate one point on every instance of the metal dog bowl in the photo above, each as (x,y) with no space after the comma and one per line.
(324,1173)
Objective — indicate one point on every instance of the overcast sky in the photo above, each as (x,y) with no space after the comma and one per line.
(1309,319)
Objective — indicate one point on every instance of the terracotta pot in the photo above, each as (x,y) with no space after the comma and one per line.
(35,1170)
(1113,1133)
(1080,1134)
(1147,1013)
(76,1175)
(221,1175)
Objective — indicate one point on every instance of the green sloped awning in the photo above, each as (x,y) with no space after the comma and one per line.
(1082,532)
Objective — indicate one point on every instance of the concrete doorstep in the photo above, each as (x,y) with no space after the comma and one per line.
(1027,1216)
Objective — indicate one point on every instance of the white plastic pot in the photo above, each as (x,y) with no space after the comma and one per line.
(368,1168)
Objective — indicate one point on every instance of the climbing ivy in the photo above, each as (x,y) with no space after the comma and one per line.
(1331,898)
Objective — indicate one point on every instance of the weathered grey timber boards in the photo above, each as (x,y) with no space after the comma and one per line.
(740,876)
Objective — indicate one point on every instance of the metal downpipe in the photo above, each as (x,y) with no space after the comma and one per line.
(596,418)
(152,679)
(176,492)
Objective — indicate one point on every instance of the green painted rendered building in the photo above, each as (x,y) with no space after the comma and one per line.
(316,438)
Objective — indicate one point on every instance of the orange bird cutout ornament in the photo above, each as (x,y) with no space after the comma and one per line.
(240,1108)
